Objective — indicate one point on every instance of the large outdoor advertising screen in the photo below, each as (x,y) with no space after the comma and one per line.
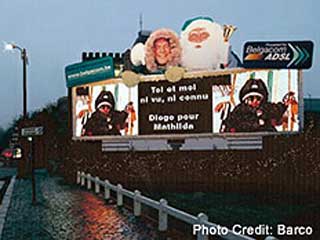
(246,101)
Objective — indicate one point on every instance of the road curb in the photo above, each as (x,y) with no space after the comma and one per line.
(5,204)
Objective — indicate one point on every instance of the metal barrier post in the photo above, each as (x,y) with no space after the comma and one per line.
(83,179)
(97,185)
(201,219)
(78,177)
(163,216)
(119,195)
(106,189)
(137,203)
(89,181)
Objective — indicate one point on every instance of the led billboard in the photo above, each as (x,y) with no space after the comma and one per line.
(234,101)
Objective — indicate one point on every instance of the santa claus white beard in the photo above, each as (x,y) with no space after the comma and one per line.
(205,58)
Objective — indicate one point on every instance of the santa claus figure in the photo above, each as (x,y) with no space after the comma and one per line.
(204,46)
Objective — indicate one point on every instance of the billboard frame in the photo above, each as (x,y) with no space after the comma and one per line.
(187,75)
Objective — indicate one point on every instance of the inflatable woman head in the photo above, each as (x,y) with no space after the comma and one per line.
(162,50)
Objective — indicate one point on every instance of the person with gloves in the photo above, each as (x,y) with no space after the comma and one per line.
(254,113)
(105,120)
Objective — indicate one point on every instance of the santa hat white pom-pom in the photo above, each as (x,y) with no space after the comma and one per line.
(137,55)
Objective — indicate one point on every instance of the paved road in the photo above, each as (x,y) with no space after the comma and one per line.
(66,212)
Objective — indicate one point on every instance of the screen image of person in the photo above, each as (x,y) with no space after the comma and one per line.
(105,120)
(255,113)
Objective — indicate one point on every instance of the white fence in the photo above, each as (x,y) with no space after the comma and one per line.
(86,180)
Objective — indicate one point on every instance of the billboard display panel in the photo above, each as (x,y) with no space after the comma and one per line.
(261,101)
(235,102)
(105,110)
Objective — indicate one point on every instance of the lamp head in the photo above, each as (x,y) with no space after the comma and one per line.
(8,46)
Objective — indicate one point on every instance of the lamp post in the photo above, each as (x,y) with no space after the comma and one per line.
(24,57)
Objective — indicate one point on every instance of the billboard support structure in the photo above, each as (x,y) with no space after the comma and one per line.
(301,101)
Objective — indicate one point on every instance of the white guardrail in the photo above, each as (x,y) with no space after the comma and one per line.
(86,180)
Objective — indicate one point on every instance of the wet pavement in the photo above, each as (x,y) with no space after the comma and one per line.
(67,212)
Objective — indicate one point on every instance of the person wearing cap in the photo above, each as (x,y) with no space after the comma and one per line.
(105,120)
(254,113)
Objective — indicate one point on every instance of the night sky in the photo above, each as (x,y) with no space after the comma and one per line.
(55,32)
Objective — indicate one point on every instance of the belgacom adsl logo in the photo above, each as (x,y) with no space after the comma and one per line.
(293,55)
(300,55)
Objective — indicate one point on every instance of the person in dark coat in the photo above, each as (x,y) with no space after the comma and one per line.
(254,113)
(105,120)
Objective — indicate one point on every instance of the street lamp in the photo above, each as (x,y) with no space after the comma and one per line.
(24,57)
